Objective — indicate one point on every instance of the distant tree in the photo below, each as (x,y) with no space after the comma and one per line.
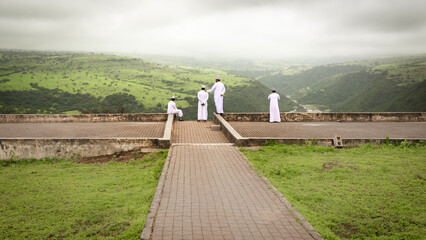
(120,103)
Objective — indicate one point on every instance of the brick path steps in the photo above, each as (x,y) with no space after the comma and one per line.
(196,132)
(211,192)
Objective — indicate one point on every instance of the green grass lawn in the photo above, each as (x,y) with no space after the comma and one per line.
(61,199)
(370,192)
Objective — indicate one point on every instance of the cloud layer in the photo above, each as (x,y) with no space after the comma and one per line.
(218,28)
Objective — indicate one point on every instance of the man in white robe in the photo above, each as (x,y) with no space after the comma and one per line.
(274,110)
(171,108)
(203,96)
(219,90)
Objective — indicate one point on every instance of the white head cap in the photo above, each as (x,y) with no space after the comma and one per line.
(203,87)
(173,97)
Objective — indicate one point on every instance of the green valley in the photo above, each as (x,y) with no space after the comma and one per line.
(51,82)
(390,84)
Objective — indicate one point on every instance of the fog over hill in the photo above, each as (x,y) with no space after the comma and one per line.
(218,29)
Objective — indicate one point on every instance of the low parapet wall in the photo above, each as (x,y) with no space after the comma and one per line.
(228,130)
(50,118)
(331,117)
(166,140)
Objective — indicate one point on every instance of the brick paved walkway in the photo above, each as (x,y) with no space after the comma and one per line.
(364,130)
(83,130)
(211,192)
(196,132)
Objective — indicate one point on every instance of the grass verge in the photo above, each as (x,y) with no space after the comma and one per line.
(61,199)
(370,192)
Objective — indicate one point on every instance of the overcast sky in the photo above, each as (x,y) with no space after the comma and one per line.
(226,28)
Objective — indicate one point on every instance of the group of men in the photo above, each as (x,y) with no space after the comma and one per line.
(219,90)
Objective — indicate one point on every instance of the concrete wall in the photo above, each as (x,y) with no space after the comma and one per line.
(236,138)
(331,117)
(47,118)
(41,148)
(229,131)
(326,142)
(166,140)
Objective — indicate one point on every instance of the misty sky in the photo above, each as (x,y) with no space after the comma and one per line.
(223,28)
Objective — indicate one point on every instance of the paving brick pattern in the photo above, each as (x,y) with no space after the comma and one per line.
(83,130)
(211,192)
(354,130)
(196,132)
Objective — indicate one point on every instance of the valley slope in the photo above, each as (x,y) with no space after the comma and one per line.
(50,82)
(391,84)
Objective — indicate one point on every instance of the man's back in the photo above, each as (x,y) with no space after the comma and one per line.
(274,97)
(203,95)
(171,106)
(220,88)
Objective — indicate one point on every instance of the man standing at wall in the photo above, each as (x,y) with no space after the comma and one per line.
(274,110)
(219,90)
(202,104)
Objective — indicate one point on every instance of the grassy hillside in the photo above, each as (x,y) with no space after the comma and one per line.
(394,84)
(386,87)
(290,84)
(48,82)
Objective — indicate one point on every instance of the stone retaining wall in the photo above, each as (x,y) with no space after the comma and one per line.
(19,148)
(326,142)
(41,148)
(331,117)
(48,118)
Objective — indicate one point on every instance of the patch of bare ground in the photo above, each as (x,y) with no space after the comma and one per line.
(330,165)
(251,148)
(346,231)
(116,157)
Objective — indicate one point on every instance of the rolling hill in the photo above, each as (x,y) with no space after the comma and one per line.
(391,84)
(52,82)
